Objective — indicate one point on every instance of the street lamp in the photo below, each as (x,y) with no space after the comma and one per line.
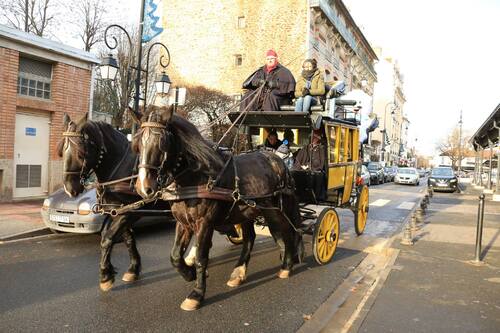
(109,66)
(384,131)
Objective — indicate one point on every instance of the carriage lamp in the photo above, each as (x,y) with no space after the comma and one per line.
(364,83)
(162,83)
(109,68)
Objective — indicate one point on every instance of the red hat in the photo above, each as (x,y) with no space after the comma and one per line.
(271,53)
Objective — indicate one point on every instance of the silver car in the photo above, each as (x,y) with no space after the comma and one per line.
(62,213)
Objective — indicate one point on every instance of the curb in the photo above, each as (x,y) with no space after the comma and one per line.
(27,234)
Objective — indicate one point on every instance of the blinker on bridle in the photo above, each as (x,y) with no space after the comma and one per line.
(69,135)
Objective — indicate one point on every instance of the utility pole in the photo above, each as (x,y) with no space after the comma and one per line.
(460,144)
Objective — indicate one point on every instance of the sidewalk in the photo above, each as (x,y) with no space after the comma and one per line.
(20,217)
(432,286)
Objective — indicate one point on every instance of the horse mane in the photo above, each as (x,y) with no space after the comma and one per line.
(193,145)
(98,130)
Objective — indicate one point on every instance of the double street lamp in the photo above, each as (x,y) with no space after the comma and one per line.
(384,131)
(109,67)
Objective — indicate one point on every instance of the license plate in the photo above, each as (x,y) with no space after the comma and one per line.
(59,218)
(442,185)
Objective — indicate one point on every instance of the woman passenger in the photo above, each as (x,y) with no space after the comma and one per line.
(310,85)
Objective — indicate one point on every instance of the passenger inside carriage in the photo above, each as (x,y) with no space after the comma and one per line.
(272,140)
(276,84)
(309,169)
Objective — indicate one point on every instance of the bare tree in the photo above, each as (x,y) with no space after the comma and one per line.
(89,16)
(205,105)
(33,16)
(450,147)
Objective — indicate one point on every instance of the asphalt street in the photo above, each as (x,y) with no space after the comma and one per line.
(51,284)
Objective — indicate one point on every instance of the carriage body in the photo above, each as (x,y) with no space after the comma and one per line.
(319,193)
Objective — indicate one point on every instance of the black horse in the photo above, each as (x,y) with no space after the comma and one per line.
(258,184)
(96,146)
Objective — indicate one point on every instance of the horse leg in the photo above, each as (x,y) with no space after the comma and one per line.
(204,241)
(238,276)
(282,233)
(134,268)
(109,236)
(182,237)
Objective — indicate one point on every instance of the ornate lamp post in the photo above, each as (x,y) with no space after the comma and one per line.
(109,66)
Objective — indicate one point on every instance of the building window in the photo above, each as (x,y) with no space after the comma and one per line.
(238,60)
(241,22)
(34,78)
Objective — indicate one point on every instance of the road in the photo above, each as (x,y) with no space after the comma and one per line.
(51,284)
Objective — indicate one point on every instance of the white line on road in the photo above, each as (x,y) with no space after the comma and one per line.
(380,202)
(406,205)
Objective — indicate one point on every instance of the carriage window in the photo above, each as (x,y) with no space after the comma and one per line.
(349,144)
(332,141)
(241,22)
(342,145)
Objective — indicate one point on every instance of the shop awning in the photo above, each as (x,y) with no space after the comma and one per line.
(488,132)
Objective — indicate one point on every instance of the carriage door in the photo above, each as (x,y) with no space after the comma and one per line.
(31,155)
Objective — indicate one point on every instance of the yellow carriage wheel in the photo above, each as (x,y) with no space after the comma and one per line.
(361,212)
(239,239)
(326,236)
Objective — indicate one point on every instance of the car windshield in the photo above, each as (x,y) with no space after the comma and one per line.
(372,166)
(407,171)
(442,172)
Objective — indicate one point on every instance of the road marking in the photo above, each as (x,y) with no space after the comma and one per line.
(380,202)
(406,205)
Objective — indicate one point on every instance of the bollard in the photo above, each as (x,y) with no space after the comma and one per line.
(427,200)
(413,222)
(423,206)
(479,231)
(419,215)
(430,190)
(407,238)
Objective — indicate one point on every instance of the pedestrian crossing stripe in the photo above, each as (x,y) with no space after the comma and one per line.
(406,205)
(380,202)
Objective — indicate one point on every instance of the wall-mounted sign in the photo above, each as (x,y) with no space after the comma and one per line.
(30,131)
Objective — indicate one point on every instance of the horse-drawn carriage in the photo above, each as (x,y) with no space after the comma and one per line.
(337,184)
(210,189)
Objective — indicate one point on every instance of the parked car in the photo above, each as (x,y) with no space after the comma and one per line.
(390,173)
(365,175)
(407,176)
(376,170)
(493,177)
(443,179)
(63,213)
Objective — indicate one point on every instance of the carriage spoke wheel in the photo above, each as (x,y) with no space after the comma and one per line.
(236,240)
(361,212)
(326,236)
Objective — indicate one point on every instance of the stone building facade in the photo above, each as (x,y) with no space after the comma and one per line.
(40,80)
(388,104)
(218,44)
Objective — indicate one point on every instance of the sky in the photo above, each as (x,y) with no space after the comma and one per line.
(449,54)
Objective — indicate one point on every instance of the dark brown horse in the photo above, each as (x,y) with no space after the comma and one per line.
(89,146)
(257,183)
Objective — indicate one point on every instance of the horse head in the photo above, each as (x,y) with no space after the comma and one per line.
(81,153)
(153,144)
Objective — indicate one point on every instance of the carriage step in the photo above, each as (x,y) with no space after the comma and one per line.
(307,225)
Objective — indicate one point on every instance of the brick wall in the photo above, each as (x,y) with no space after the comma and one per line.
(203,37)
(69,94)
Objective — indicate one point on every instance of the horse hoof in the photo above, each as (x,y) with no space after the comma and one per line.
(235,282)
(106,286)
(190,304)
(283,274)
(129,277)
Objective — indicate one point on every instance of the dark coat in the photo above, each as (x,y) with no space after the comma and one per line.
(311,156)
(272,97)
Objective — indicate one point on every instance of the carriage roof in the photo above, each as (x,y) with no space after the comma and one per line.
(285,119)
